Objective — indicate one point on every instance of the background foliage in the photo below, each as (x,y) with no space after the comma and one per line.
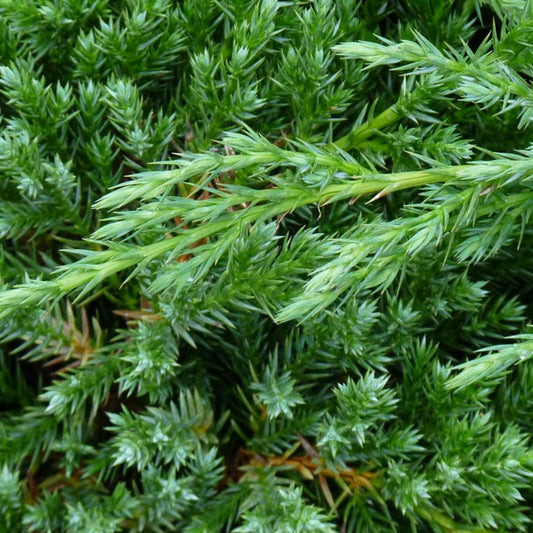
(266,266)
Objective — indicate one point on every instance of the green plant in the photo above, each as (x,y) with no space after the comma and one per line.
(249,250)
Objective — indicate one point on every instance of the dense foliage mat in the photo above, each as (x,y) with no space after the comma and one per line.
(266,266)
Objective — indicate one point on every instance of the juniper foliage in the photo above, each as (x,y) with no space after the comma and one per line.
(266,266)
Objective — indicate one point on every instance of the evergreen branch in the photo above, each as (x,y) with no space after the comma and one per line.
(493,366)
(412,104)
(255,151)
(375,254)
(478,77)
(97,266)
(215,216)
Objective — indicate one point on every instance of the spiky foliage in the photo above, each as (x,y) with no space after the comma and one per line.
(266,266)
